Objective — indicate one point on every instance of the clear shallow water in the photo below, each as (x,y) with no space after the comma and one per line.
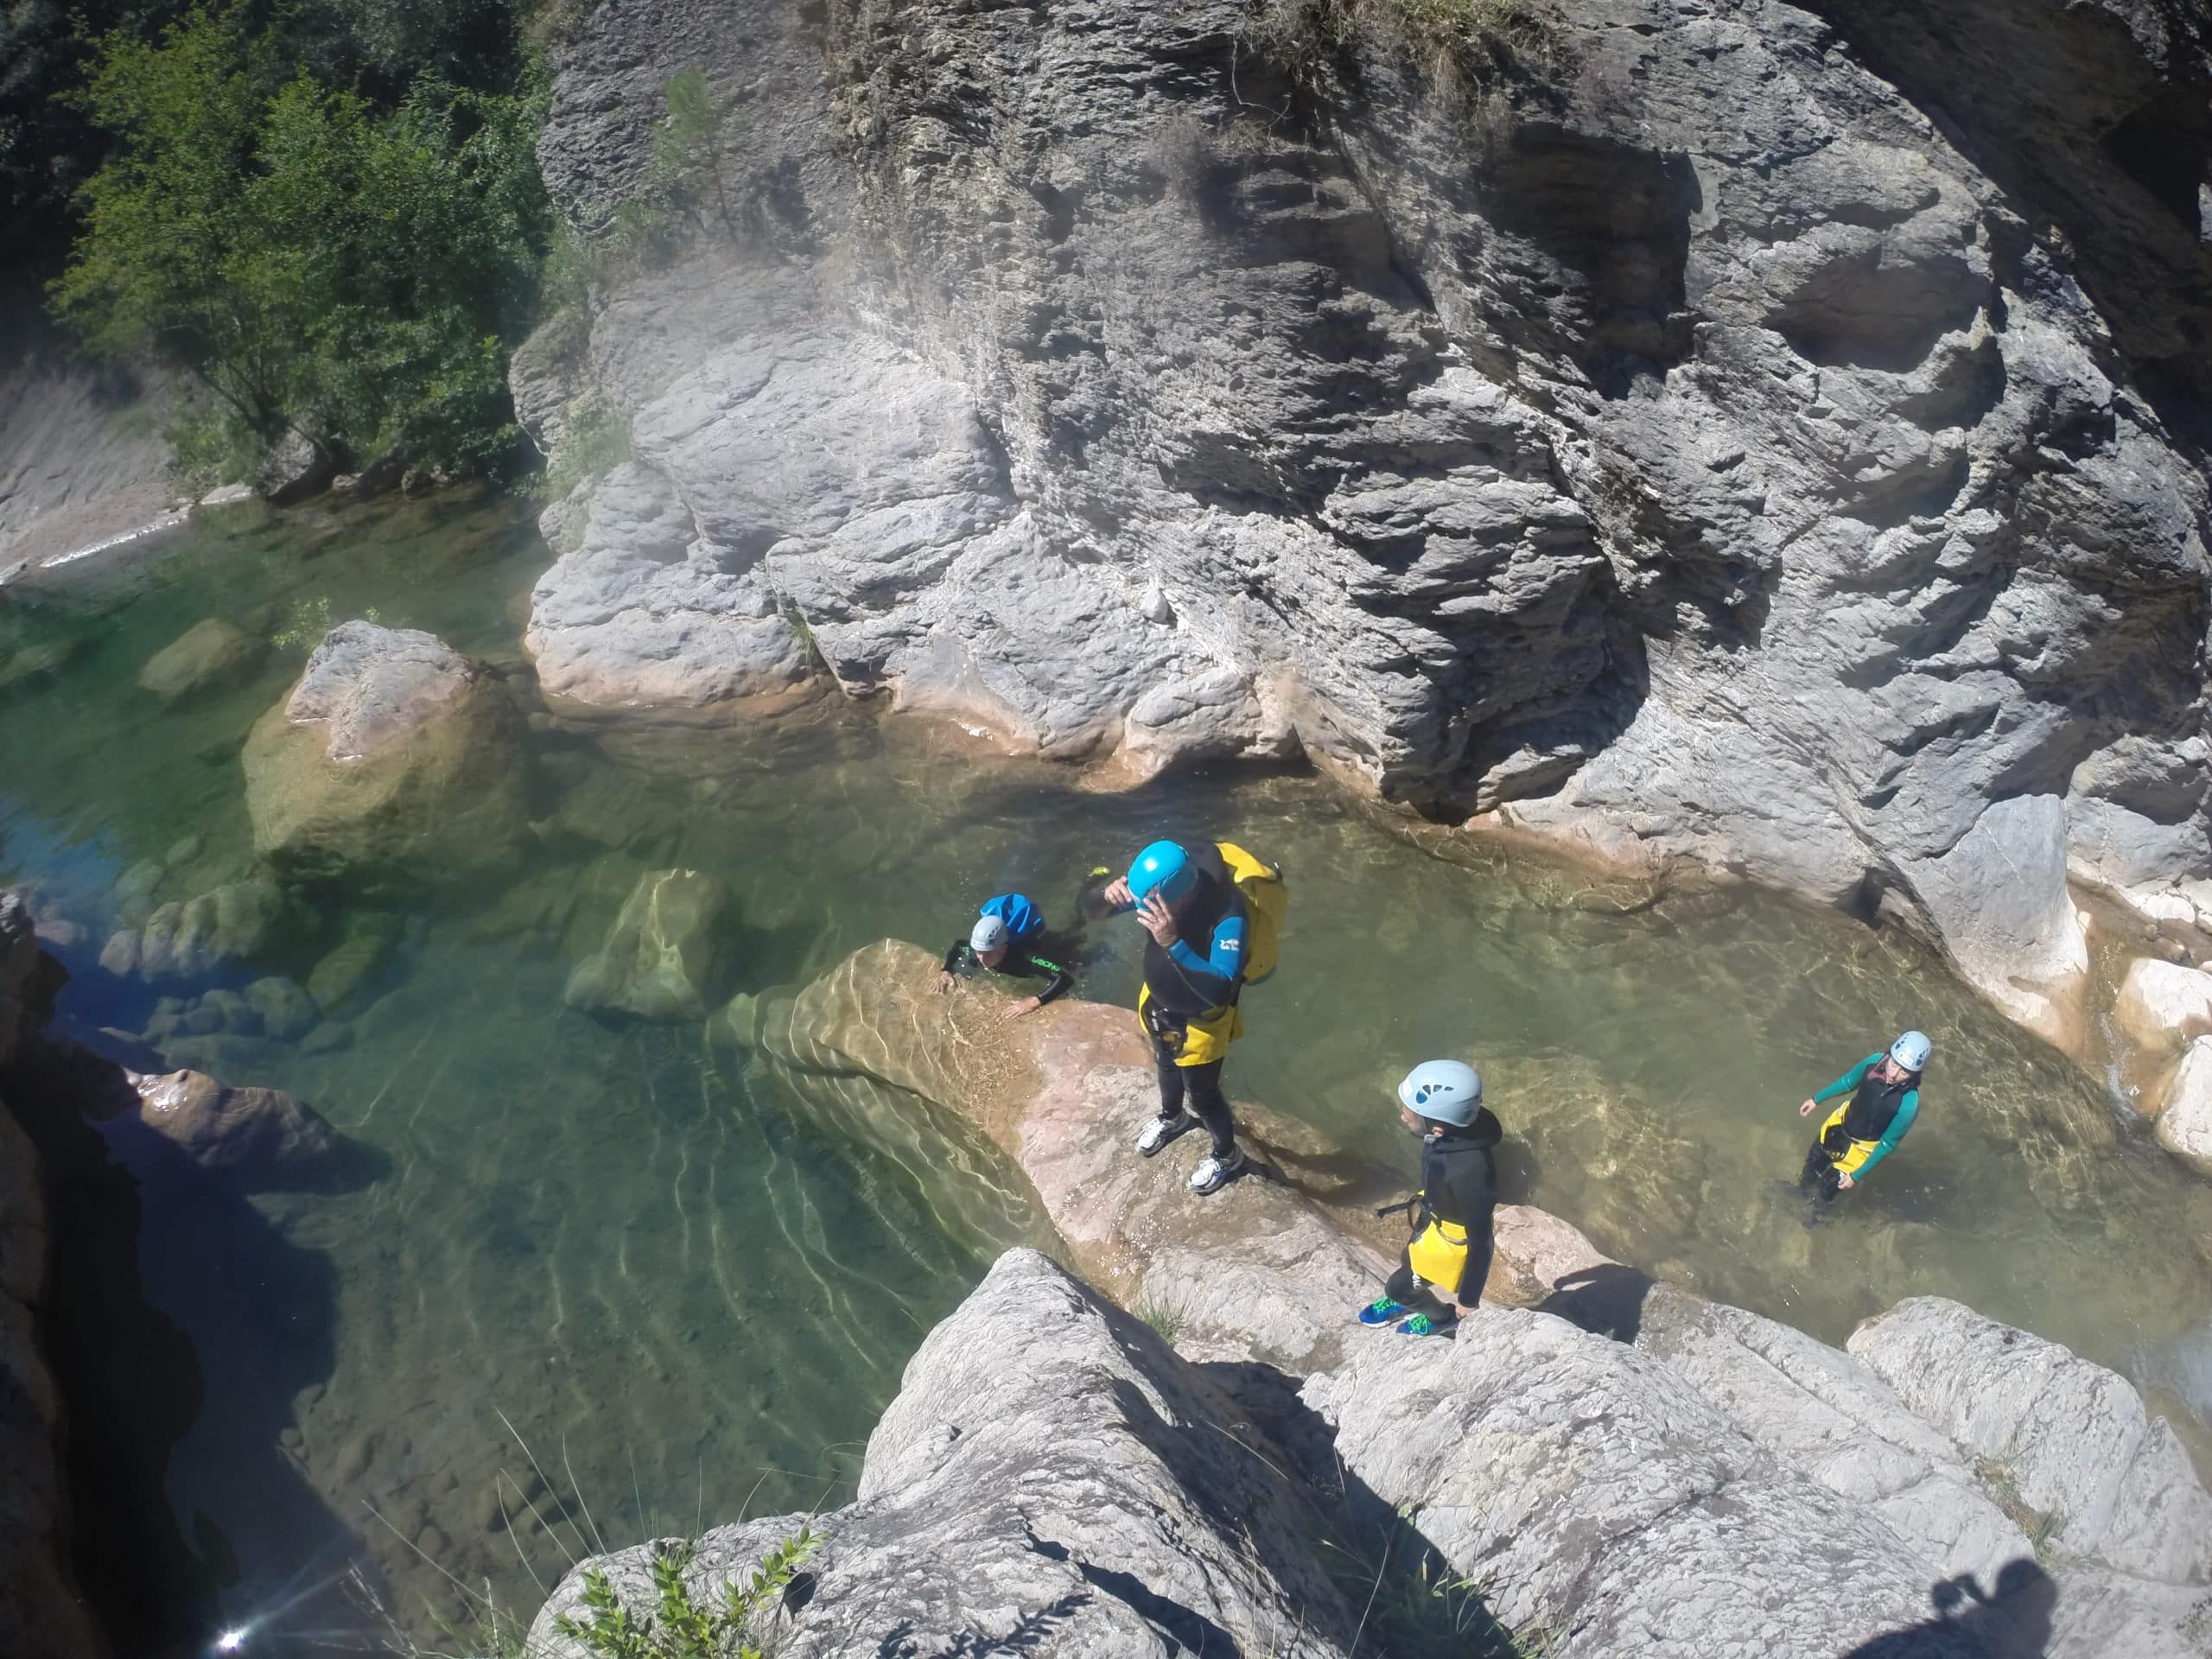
(689,1292)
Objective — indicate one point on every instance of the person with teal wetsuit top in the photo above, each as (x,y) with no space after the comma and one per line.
(1884,1100)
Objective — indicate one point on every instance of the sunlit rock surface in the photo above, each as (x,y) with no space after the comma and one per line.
(2184,1125)
(1623,1463)
(1696,455)
(1051,1478)
(394,755)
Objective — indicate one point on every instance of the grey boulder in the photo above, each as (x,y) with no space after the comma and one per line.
(1050,1478)
(395,756)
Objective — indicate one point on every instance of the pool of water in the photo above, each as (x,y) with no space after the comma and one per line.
(614,1269)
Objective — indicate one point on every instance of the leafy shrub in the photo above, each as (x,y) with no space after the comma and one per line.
(312,257)
(1459,44)
(680,1627)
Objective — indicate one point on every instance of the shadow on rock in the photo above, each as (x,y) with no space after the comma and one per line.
(182,1326)
(2012,1621)
(1606,1301)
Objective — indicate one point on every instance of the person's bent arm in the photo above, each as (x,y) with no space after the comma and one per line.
(1214,975)
(1063,981)
(1843,1085)
(1908,1109)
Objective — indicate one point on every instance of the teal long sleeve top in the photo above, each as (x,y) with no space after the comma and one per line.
(1908,1109)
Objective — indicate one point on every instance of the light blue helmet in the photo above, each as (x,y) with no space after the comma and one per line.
(990,933)
(1911,1051)
(1445,1091)
(1161,868)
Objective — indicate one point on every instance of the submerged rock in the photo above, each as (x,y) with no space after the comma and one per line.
(222,1128)
(234,924)
(212,653)
(394,756)
(663,956)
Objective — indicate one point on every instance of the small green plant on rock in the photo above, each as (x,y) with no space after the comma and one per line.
(680,1627)
(306,620)
(1460,45)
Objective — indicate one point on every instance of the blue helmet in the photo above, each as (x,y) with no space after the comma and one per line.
(1911,1051)
(1443,1091)
(1163,868)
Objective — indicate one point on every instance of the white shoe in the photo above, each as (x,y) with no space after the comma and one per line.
(1212,1174)
(1158,1133)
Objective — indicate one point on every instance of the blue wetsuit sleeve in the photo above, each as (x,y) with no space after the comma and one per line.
(1849,1081)
(1213,976)
(1908,1109)
(1224,961)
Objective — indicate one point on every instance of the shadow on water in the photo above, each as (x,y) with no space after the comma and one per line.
(146,1247)
(2013,1620)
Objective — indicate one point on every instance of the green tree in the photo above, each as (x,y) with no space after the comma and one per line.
(317,260)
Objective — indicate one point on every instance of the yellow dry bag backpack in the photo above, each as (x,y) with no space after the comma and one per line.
(1267,901)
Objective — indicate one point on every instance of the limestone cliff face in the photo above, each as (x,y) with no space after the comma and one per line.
(1679,444)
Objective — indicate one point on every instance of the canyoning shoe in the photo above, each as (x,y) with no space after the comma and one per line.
(1158,1133)
(1214,1174)
(1421,1325)
(1382,1311)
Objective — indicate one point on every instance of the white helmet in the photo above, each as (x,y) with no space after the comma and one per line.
(1911,1051)
(987,934)
(1445,1091)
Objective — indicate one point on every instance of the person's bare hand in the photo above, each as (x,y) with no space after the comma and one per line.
(943,983)
(1806,1111)
(1118,894)
(1015,1010)
(1158,921)
(1844,1182)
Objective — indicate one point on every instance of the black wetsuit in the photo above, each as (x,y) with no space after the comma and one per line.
(1018,963)
(1180,991)
(1459,1183)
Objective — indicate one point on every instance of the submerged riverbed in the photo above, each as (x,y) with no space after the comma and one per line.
(583,1265)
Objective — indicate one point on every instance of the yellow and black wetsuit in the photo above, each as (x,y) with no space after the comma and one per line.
(1861,1131)
(1454,1221)
(1188,1002)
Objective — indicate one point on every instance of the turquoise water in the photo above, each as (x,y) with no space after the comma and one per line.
(583,1267)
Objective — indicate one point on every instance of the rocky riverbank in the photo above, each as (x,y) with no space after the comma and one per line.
(1721,435)
(1597,1462)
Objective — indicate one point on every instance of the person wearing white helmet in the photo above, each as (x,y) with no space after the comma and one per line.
(1008,931)
(1440,1277)
(1884,1091)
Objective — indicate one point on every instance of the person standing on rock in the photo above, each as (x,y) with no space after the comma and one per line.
(1446,1259)
(1214,912)
(1008,930)
(1884,1091)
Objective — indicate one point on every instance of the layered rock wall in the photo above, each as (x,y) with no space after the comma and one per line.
(1662,435)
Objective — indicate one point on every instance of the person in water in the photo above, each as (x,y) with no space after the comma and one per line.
(1884,1091)
(1446,1258)
(1008,937)
(1188,900)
